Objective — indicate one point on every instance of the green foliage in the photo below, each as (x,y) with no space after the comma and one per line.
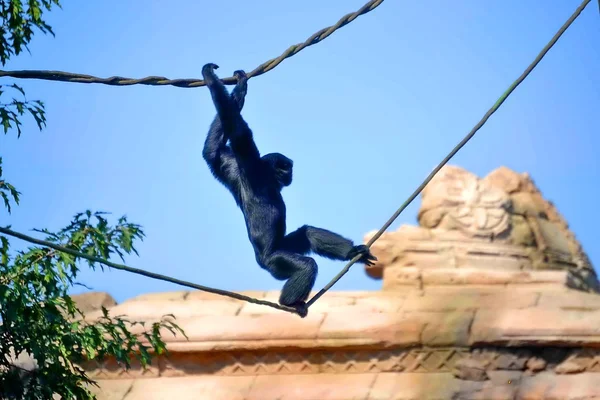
(40,319)
(12,110)
(7,191)
(19,18)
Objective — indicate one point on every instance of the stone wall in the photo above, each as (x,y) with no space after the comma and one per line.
(490,297)
(418,344)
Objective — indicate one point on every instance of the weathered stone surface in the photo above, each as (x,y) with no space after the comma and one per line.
(416,386)
(161,296)
(569,367)
(472,300)
(283,326)
(495,358)
(411,386)
(388,303)
(200,295)
(388,328)
(505,179)
(398,278)
(115,389)
(491,231)
(470,370)
(536,326)
(501,378)
(196,388)
(92,301)
(536,364)
(549,386)
(387,386)
(474,276)
(570,300)
(528,204)
(154,309)
(487,392)
(458,200)
(322,387)
(444,329)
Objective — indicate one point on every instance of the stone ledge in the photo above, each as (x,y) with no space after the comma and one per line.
(427,317)
(479,276)
(356,360)
(383,386)
(469,300)
(533,291)
(536,326)
(283,326)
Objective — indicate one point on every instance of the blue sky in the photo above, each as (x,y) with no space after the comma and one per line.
(365,115)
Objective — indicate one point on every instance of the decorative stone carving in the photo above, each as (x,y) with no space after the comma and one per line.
(465,363)
(458,200)
(486,230)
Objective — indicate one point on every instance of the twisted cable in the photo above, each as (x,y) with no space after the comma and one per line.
(192,83)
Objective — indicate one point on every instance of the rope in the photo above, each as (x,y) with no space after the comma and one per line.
(455,150)
(238,296)
(192,83)
(145,273)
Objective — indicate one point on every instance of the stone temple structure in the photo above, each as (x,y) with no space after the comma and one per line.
(490,297)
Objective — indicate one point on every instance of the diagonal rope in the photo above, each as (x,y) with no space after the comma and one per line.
(148,274)
(192,83)
(455,150)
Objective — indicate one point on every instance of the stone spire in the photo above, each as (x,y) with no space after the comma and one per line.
(498,230)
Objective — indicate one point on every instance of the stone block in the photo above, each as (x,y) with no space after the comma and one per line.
(501,378)
(387,303)
(570,300)
(320,386)
(196,388)
(160,296)
(281,327)
(536,326)
(200,295)
(536,364)
(111,389)
(479,276)
(469,369)
(444,329)
(155,309)
(418,386)
(491,262)
(401,278)
(549,386)
(469,300)
(382,328)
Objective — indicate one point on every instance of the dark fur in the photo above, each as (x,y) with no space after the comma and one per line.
(256,183)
